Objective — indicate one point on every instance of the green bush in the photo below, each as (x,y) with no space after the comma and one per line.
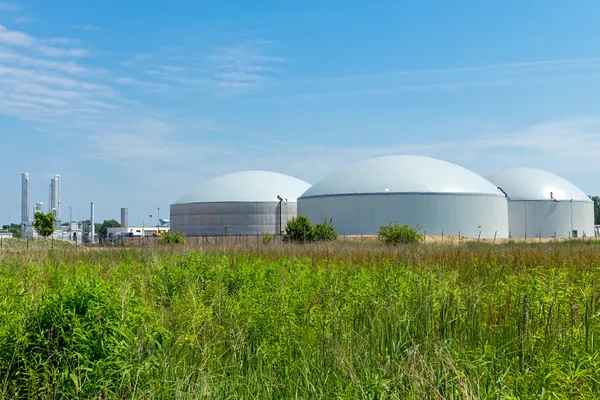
(266,238)
(325,231)
(299,229)
(44,224)
(172,237)
(394,233)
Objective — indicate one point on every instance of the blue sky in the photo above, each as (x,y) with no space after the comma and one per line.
(133,103)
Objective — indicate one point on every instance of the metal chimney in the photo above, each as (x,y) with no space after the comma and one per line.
(92,223)
(124,217)
(25,199)
(57,179)
(55,195)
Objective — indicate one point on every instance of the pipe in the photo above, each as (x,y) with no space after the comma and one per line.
(280,201)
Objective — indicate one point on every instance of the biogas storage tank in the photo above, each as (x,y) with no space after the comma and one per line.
(542,204)
(440,197)
(240,203)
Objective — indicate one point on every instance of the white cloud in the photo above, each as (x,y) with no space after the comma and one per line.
(15,38)
(15,58)
(86,27)
(172,68)
(60,52)
(243,66)
(568,147)
(23,20)
(139,83)
(61,41)
(19,39)
(9,7)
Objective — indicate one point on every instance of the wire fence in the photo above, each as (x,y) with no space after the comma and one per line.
(7,243)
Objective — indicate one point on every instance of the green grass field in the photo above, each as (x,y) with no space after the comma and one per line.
(338,321)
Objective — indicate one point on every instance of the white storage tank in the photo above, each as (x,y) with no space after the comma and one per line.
(542,204)
(240,203)
(440,197)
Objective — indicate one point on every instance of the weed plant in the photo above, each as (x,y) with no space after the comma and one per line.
(326,320)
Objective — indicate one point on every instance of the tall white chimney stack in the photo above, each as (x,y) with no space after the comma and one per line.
(25,199)
(92,233)
(55,196)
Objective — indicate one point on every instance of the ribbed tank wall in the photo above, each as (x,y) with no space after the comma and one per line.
(436,214)
(234,218)
(535,218)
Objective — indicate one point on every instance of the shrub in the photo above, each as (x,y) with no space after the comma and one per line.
(325,231)
(266,238)
(172,237)
(299,229)
(394,233)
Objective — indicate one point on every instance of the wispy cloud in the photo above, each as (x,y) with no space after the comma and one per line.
(138,83)
(23,20)
(86,27)
(9,7)
(492,68)
(441,79)
(568,147)
(15,38)
(242,66)
(172,68)
(37,85)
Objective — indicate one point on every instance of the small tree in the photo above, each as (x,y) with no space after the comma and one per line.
(394,233)
(325,231)
(103,231)
(299,229)
(44,224)
(172,237)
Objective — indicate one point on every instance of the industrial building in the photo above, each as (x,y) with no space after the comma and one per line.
(240,203)
(439,197)
(542,204)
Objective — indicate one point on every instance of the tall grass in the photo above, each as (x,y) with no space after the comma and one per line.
(321,321)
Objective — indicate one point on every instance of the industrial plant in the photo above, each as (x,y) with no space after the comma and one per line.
(69,231)
(435,196)
(241,203)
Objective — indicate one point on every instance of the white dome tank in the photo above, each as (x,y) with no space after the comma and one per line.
(240,203)
(438,196)
(542,204)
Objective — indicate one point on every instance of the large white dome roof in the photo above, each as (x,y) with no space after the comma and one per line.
(536,184)
(247,186)
(402,174)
